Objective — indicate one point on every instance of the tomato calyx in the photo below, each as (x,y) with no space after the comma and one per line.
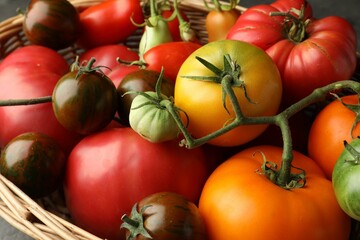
(271,171)
(87,69)
(294,24)
(135,223)
(228,77)
(352,151)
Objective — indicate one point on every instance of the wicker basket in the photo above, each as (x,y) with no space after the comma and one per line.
(47,218)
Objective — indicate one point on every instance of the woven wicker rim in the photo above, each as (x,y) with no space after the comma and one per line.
(44,219)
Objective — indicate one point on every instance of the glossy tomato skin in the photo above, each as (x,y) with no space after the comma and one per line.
(219,22)
(168,215)
(31,72)
(34,162)
(109,22)
(202,100)
(332,126)
(345,180)
(169,56)
(237,202)
(326,53)
(109,171)
(84,102)
(141,80)
(106,56)
(51,23)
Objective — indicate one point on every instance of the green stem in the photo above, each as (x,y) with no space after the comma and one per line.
(18,102)
(281,120)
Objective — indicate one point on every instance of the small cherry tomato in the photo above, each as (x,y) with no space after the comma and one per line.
(164,216)
(139,81)
(34,162)
(84,100)
(51,23)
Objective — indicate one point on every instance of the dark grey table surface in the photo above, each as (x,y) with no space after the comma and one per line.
(349,9)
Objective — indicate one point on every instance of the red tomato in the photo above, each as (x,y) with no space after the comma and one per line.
(32,72)
(170,56)
(238,202)
(331,127)
(106,56)
(108,172)
(309,53)
(109,22)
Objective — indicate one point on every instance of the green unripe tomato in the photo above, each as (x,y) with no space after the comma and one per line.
(152,121)
(346,179)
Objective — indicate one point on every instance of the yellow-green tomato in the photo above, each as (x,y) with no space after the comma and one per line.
(259,95)
(152,121)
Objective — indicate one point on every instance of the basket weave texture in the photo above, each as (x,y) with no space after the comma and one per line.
(47,218)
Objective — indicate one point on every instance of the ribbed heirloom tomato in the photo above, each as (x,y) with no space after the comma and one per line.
(238,202)
(309,52)
(254,79)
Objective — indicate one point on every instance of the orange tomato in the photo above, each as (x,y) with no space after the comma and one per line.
(219,22)
(237,202)
(331,127)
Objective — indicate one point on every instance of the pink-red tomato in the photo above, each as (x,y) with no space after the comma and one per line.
(238,202)
(309,52)
(32,72)
(109,22)
(108,172)
(331,127)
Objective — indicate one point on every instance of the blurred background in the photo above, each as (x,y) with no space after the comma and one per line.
(348,9)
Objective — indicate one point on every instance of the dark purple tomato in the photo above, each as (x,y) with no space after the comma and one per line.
(51,23)
(141,80)
(34,162)
(84,100)
(163,216)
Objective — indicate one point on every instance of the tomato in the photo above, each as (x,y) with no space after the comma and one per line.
(31,72)
(165,215)
(203,100)
(109,22)
(219,21)
(84,100)
(332,125)
(109,171)
(34,162)
(238,202)
(139,81)
(169,56)
(106,56)
(309,52)
(345,179)
(51,23)
(147,110)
